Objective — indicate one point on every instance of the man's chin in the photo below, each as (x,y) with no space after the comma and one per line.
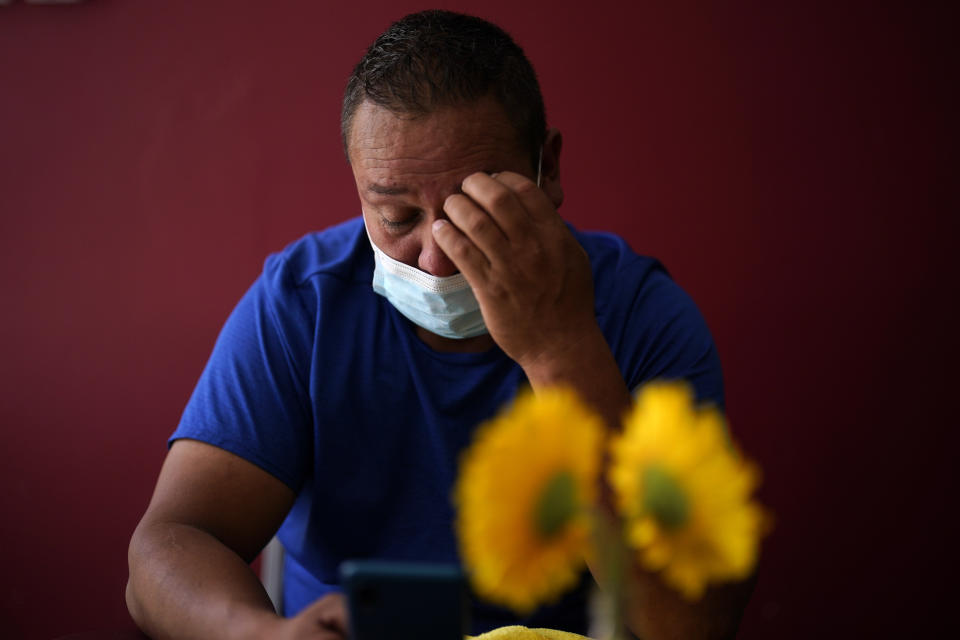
(477,344)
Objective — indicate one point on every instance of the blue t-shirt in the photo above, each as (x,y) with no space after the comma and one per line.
(322,383)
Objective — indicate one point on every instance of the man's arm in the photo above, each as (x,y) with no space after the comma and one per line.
(535,289)
(657,611)
(211,514)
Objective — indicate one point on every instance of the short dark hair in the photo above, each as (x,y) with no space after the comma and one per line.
(435,59)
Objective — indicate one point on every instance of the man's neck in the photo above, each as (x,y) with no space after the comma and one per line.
(476,344)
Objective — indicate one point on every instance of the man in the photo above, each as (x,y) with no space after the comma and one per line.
(349,378)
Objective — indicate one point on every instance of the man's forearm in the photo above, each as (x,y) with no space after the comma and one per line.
(654,611)
(588,367)
(184,583)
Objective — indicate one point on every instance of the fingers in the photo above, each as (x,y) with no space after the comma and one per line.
(491,216)
(511,199)
(515,188)
(482,228)
(468,258)
(330,613)
(488,195)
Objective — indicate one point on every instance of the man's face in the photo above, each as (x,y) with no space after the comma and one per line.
(406,167)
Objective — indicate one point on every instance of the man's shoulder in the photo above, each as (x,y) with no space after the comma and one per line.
(636,290)
(615,264)
(654,328)
(339,252)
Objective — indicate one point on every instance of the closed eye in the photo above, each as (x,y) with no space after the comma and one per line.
(399,222)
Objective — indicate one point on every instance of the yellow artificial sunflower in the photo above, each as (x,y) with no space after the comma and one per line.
(523,498)
(684,491)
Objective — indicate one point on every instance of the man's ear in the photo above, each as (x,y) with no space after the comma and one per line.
(550,167)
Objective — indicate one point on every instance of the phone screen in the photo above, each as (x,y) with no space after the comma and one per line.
(405,600)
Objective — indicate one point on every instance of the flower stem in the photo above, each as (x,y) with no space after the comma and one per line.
(608,614)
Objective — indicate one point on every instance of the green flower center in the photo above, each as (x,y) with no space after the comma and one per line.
(664,498)
(557,504)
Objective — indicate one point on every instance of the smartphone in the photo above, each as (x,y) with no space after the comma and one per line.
(390,600)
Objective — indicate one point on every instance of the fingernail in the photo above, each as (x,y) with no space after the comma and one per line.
(439,224)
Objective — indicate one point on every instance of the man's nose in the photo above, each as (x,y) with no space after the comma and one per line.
(432,259)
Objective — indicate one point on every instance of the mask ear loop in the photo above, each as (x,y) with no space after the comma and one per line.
(539,165)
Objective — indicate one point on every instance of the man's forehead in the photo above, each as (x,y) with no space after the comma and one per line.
(377,132)
(390,175)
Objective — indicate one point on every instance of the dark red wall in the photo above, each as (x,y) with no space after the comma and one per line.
(787,161)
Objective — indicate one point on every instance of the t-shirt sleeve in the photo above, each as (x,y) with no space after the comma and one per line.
(667,338)
(252,397)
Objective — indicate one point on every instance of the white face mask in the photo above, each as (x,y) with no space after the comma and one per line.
(445,306)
